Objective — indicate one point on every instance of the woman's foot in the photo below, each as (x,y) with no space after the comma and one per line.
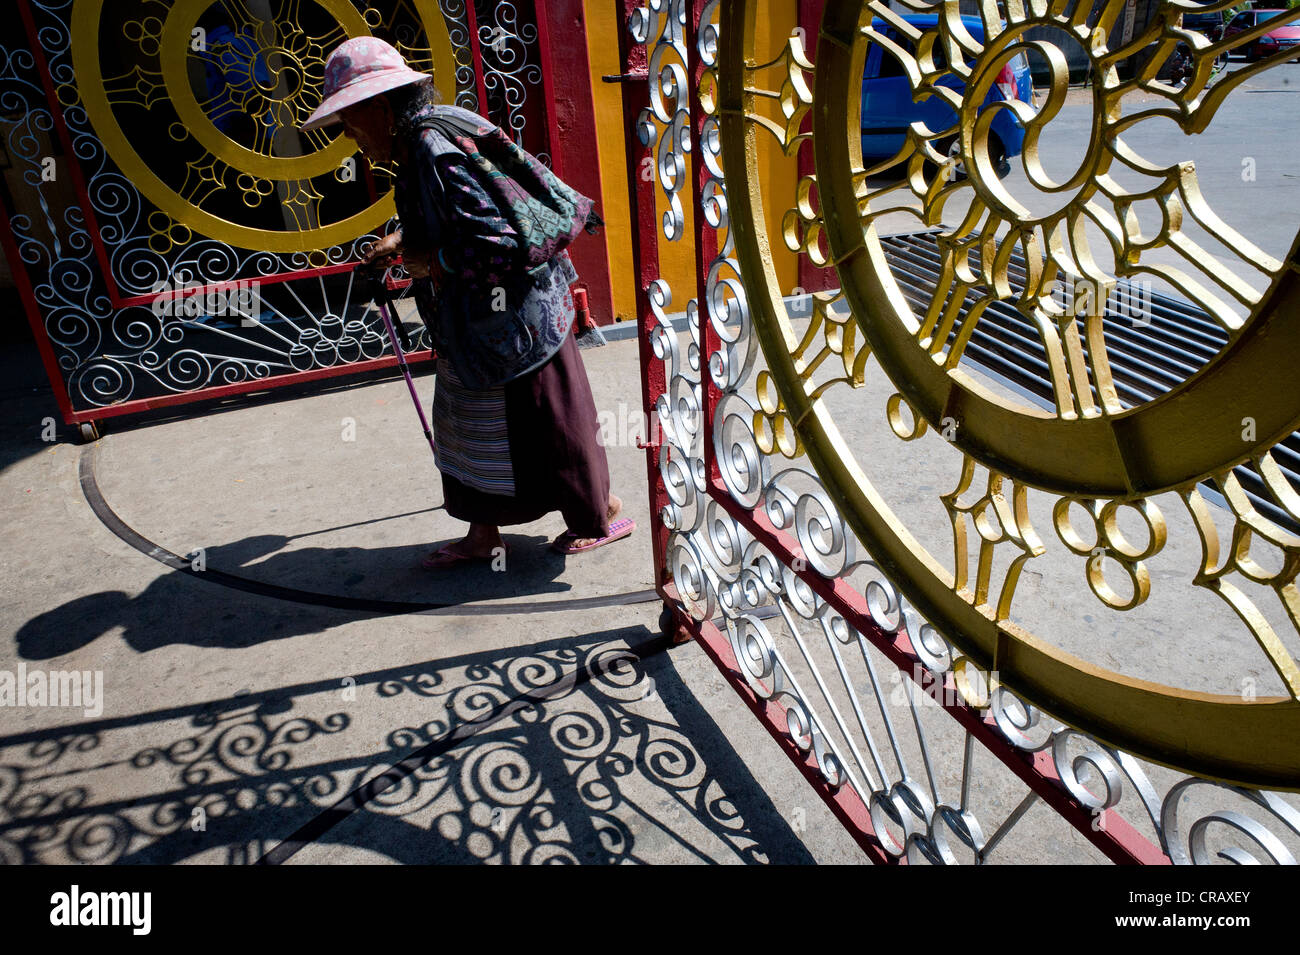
(481,543)
(567,543)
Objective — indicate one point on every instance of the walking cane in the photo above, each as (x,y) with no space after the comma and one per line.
(379,292)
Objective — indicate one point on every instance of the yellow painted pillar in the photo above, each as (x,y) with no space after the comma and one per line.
(676,259)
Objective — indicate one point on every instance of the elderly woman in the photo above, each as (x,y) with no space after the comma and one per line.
(517,449)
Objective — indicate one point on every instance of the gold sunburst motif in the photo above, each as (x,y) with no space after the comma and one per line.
(1056,244)
(1059,246)
(1117,217)
(237,80)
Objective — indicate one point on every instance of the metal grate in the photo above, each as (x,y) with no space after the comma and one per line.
(1173,341)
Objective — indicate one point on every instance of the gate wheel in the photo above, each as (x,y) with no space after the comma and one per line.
(671,627)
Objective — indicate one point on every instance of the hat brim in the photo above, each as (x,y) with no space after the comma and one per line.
(326,113)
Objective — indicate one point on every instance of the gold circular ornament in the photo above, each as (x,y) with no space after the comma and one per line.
(1091,444)
(250,171)
(1093,451)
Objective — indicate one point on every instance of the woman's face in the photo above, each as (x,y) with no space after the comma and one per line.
(370,123)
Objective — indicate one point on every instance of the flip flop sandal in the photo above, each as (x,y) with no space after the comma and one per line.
(617,531)
(445,557)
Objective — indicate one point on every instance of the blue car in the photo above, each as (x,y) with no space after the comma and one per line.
(888,108)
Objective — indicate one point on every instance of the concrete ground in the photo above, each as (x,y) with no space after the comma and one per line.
(268,646)
(232,721)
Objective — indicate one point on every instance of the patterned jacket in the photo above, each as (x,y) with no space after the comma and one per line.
(491,318)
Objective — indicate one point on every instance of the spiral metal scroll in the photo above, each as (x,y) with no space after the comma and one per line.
(234,198)
(511,57)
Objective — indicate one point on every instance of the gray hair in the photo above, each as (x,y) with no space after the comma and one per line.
(407,102)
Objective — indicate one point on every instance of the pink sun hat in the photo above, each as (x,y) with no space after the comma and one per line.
(358,69)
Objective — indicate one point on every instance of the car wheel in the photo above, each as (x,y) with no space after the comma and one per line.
(999,156)
(950,146)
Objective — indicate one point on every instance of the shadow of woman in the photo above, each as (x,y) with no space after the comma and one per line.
(312,589)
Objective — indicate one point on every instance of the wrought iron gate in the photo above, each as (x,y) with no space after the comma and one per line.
(876,664)
(172,234)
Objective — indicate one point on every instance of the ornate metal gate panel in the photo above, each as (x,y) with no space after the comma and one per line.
(803,437)
(185,240)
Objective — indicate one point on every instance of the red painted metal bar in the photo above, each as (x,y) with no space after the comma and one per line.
(541,16)
(572,116)
(645,262)
(242,388)
(476,57)
(28,296)
(65,140)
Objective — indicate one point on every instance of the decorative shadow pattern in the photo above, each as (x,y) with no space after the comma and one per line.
(566,752)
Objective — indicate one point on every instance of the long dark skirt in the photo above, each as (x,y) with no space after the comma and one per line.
(558,461)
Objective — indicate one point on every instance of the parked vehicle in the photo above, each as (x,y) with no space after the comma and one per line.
(1208,24)
(1285,36)
(888,108)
